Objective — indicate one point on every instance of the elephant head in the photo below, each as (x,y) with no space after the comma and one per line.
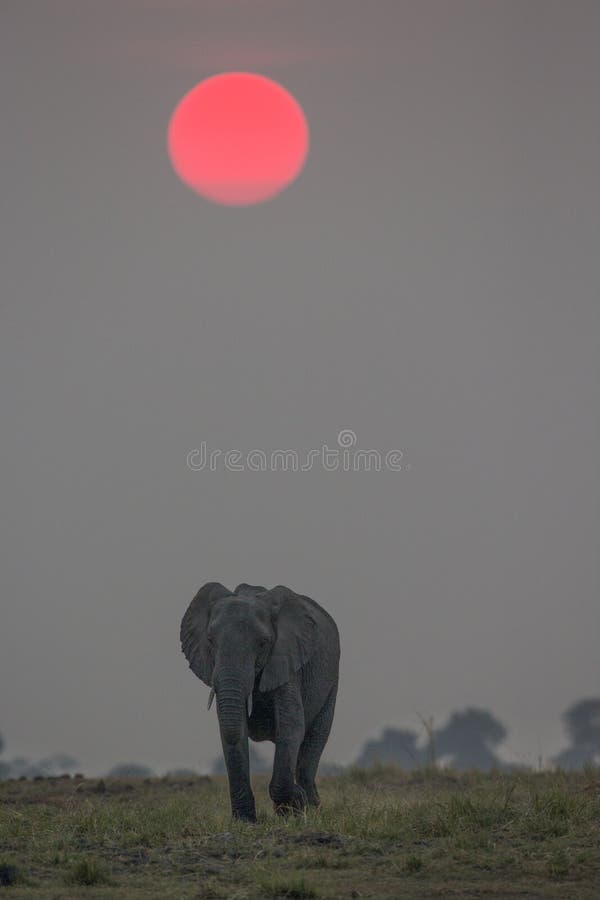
(234,641)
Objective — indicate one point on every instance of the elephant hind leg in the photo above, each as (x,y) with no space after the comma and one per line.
(312,747)
(294,801)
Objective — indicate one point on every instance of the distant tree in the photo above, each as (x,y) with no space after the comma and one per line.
(258,764)
(582,723)
(468,738)
(4,766)
(58,764)
(330,768)
(396,745)
(130,770)
(181,773)
(17,767)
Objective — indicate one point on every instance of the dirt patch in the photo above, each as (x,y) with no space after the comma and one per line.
(319,839)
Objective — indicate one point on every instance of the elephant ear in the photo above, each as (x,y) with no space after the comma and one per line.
(193,630)
(295,627)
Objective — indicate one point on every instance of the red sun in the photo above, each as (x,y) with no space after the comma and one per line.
(238,138)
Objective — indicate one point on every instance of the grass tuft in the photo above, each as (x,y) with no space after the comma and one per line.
(558,865)
(9,874)
(87,871)
(413,864)
(276,887)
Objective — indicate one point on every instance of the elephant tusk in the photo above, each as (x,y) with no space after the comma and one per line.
(249,704)
(211,698)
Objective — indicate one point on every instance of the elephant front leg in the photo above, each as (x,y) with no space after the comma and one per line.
(238,772)
(285,793)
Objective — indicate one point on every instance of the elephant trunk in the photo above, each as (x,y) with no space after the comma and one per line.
(232,694)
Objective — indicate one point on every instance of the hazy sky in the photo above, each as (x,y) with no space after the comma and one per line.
(430,282)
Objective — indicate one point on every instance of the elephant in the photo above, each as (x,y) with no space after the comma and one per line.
(271,657)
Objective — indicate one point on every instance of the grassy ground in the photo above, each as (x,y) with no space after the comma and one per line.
(378,834)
